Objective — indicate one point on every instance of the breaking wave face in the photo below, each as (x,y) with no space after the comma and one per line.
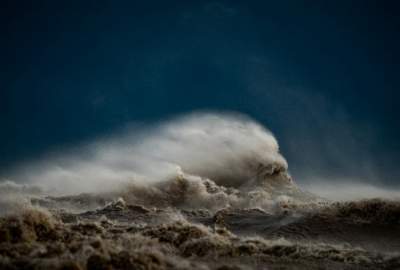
(210,156)
(204,191)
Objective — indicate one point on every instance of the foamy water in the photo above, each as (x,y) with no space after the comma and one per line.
(203,191)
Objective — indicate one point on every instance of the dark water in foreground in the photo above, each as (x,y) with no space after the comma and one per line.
(114,234)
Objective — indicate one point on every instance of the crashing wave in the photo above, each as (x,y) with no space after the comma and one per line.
(206,191)
(202,160)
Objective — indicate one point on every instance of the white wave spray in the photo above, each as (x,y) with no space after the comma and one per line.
(230,149)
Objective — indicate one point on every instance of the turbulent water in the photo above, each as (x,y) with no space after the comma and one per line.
(206,191)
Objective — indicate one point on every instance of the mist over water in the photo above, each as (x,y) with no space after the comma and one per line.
(349,189)
(230,149)
(227,148)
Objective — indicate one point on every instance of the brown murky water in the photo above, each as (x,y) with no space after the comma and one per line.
(105,232)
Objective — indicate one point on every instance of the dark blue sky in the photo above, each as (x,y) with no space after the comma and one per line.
(322,75)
